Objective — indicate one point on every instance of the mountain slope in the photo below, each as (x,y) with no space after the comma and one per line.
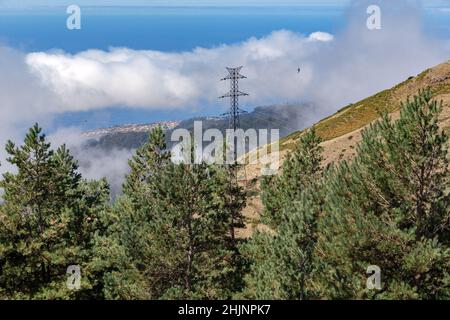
(287,118)
(342,131)
(358,115)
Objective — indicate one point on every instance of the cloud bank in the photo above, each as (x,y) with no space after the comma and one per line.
(335,70)
(97,79)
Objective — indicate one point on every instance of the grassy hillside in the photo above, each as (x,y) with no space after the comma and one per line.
(358,115)
(342,131)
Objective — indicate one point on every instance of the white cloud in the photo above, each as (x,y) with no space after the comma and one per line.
(335,70)
(320,36)
(152,79)
(94,163)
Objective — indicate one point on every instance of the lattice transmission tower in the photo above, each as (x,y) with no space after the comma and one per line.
(234,76)
(234,123)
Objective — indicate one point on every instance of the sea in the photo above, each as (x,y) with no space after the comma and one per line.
(168,29)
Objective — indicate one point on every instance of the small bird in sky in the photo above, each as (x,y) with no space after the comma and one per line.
(298,70)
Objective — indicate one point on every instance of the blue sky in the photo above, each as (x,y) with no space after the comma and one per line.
(146,64)
(166,31)
(174,35)
(25,3)
(16,3)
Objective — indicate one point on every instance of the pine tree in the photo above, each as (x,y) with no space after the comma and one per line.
(145,164)
(121,250)
(389,207)
(46,220)
(192,227)
(173,240)
(299,170)
(234,198)
(282,262)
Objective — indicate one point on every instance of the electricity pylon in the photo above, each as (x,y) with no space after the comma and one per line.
(234,95)
(234,76)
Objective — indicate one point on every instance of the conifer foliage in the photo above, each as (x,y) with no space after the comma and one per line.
(390,207)
(282,260)
(175,228)
(171,234)
(47,220)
